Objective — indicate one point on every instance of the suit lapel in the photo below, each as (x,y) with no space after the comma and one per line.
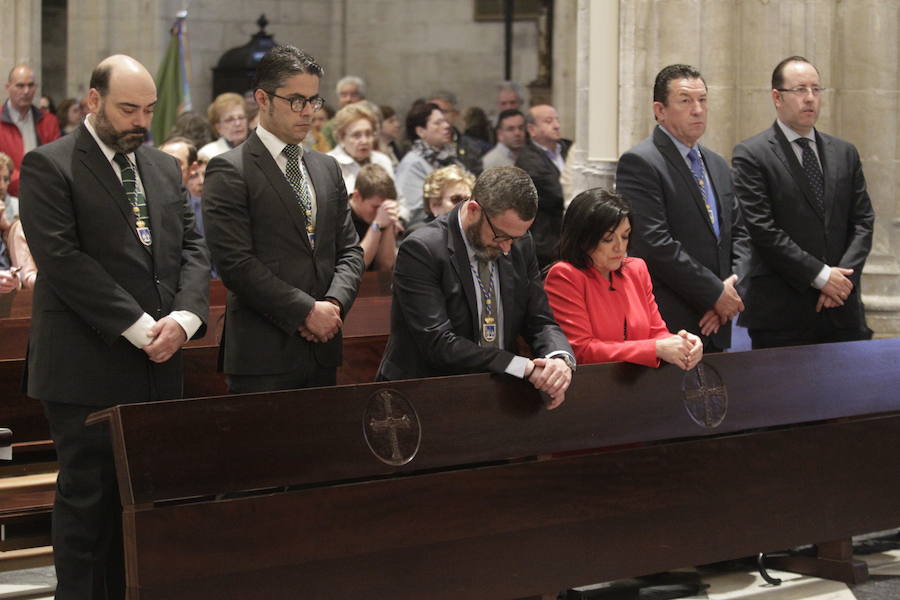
(279,183)
(781,147)
(95,161)
(459,259)
(507,276)
(719,180)
(319,179)
(676,161)
(153,186)
(828,160)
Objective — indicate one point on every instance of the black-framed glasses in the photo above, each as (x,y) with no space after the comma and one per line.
(803,90)
(298,102)
(500,237)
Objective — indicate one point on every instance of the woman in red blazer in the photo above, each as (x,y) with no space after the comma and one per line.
(602,299)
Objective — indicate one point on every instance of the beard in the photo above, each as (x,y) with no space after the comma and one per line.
(482,251)
(120,141)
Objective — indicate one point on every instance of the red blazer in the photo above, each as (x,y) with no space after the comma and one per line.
(607,321)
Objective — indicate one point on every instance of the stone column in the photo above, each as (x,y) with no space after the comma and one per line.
(596,95)
(736,44)
(20,36)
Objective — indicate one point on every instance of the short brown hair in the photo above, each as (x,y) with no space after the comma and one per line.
(373,180)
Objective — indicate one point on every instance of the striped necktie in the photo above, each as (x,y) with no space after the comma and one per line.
(135,198)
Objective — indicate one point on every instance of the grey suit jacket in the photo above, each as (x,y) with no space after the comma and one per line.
(671,230)
(257,236)
(792,240)
(95,278)
(434,315)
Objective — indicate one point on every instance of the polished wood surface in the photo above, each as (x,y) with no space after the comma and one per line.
(471,515)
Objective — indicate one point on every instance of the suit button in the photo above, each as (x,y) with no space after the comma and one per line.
(156,280)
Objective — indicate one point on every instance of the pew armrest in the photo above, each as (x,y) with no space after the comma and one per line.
(5,444)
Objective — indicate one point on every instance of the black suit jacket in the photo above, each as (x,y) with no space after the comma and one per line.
(257,236)
(792,241)
(548,224)
(671,230)
(434,316)
(95,278)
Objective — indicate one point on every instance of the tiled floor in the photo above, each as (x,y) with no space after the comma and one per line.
(736,580)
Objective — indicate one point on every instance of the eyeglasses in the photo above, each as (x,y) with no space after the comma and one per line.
(803,90)
(298,102)
(235,119)
(500,237)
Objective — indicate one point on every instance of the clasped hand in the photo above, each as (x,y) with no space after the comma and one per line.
(168,336)
(322,323)
(551,376)
(684,350)
(836,290)
(726,308)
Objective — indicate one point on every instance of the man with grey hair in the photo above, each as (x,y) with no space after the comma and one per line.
(468,150)
(279,228)
(477,261)
(510,96)
(23,126)
(349,89)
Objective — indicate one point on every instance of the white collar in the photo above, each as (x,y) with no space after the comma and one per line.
(273,143)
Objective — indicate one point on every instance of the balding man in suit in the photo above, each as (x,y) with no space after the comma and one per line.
(123,283)
(804,196)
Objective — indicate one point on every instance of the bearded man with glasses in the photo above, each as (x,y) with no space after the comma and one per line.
(467,285)
(803,195)
(279,229)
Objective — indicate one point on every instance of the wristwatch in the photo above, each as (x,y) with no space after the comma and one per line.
(375,226)
(566,358)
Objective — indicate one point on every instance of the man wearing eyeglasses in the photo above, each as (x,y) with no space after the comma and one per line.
(467,285)
(279,229)
(804,198)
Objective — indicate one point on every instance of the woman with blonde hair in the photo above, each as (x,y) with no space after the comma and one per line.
(355,128)
(445,188)
(228,117)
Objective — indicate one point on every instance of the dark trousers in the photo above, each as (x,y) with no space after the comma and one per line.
(820,332)
(87,513)
(308,374)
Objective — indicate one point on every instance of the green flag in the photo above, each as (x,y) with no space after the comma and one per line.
(172,89)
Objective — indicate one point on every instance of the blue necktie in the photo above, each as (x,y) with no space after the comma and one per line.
(700,177)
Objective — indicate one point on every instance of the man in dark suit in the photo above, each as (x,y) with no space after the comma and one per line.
(544,158)
(804,198)
(122,284)
(279,229)
(685,217)
(467,285)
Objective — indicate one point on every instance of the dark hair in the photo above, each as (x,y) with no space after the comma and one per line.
(178,139)
(509,112)
(591,215)
(62,111)
(477,124)
(387,112)
(282,62)
(502,188)
(661,85)
(778,73)
(192,126)
(373,180)
(418,117)
(100,77)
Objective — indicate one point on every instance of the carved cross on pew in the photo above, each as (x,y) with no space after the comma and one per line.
(391,424)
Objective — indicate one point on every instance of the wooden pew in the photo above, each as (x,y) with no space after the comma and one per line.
(402,487)
(28,483)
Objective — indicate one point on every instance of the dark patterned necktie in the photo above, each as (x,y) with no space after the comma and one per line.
(813,173)
(700,177)
(135,198)
(489,332)
(298,183)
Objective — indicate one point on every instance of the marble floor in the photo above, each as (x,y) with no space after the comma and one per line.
(733,580)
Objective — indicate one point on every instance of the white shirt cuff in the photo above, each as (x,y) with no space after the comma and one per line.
(188,321)
(139,333)
(556,353)
(822,278)
(517,366)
